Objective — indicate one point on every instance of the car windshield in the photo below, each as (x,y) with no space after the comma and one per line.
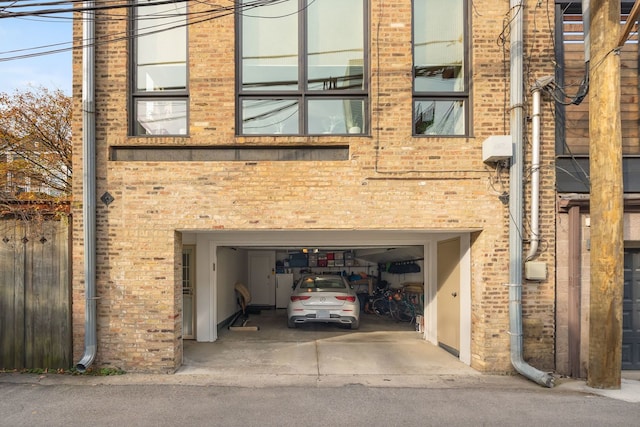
(322,283)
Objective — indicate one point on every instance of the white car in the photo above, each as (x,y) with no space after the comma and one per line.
(323,299)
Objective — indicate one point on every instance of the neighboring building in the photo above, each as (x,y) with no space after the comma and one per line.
(573,220)
(235,138)
(20,175)
(31,168)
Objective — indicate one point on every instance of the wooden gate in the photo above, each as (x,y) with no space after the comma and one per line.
(35,318)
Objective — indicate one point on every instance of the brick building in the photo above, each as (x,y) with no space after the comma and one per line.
(236,137)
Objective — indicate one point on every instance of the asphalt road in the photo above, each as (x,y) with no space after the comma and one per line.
(82,403)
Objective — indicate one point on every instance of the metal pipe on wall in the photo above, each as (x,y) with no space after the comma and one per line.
(516,201)
(535,166)
(89,184)
(535,177)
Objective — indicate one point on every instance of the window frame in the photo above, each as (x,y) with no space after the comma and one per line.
(136,95)
(303,94)
(427,96)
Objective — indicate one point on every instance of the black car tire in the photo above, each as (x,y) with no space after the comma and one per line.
(355,324)
(291,323)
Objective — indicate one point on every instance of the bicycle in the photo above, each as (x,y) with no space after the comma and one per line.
(401,309)
(379,303)
(393,304)
(415,300)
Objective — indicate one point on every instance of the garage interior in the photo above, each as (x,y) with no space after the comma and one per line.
(267,262)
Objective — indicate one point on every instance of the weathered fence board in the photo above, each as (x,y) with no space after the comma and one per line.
(35,329)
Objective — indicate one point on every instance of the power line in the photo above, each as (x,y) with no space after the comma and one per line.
(217,11)
(78,6)
(198,17)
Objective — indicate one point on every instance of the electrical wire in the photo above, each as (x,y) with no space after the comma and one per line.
(75,6)
(62,10)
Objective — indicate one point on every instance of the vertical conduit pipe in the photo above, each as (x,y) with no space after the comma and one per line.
(535,176)
(516,201)
(535,165)
(88,184)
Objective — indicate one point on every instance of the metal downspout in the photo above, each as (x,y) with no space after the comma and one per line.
(516,202)
(88,184)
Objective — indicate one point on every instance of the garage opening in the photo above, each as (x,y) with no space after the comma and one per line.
(376,264)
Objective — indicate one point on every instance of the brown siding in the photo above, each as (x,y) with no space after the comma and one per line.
(577,116)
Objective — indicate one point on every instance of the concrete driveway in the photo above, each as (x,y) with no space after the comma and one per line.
(381,354)
(381,351)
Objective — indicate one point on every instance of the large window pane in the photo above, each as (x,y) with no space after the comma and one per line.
(270,116)
(335,44)
(159,66)
(438,52)
(270,47)
(161,46)
(302,67)
(340,116)
(161,117)
(439,117)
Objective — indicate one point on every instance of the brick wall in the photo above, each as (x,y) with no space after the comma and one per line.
(391,181)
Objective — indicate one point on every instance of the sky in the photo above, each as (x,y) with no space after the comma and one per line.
(51,71)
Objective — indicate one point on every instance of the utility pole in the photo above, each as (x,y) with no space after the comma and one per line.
(606,206)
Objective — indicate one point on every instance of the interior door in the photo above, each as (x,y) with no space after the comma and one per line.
(188,292)
(448,295)
(262,282)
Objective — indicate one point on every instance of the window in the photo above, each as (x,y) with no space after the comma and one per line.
(440,75)
(188,292)
(159,89)
(302,68)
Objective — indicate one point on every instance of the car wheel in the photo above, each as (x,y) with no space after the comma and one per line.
(355,324)
(291,323)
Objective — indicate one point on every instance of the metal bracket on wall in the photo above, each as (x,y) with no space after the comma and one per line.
(107,198)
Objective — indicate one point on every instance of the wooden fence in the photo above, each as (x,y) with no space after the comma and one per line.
(35,316)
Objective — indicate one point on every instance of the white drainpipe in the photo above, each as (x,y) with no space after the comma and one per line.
(89,184)
(535,167)
(535,176)
(516,202)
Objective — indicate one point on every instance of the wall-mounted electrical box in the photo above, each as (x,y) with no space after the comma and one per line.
(535,270)
(497,148)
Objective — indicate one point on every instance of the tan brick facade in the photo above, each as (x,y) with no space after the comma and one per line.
(392,181)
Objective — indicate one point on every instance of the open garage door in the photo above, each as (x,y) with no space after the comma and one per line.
(223,260)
